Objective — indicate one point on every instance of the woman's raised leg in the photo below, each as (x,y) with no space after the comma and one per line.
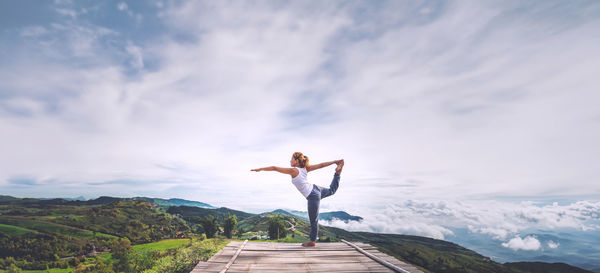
(335,183)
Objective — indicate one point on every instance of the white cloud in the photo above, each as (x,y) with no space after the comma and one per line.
(394,219)
(136,54)
(67,12)
(552,244)
(500,220)
(433,104)
(497,233)
(34,31)
(122,6)
(527,243)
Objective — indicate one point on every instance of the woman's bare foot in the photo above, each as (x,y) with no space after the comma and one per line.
(309,243)
(340,165)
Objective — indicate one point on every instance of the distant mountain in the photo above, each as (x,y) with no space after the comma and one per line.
(80,198)
(175,202)
(283,212)
(302,214)
(102,200)
(341,215)
(193,214)
(9,200)
(327,216)
(538,267)
(6,197)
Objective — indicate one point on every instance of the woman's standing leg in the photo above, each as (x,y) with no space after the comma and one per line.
(313,202)
(313,216)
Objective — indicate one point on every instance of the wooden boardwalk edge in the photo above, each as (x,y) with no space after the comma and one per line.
(237,253)
(375,258)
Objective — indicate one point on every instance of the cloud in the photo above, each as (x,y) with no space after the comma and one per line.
(500,220)
(122,6)
(393,219)
(136,54)
(552,244)
(68,12)
(527,243)
(427,100)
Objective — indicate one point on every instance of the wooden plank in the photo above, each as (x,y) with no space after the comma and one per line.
(292,257)
(208,267)
(299,260)
(237,253)
(295,247)
(301,253)
(395,261)
(379,260)
(355,267)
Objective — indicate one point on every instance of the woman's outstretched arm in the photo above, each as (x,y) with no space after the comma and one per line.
(290,171)
(321,165)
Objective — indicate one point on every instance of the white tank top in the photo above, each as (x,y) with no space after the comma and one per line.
(301,182)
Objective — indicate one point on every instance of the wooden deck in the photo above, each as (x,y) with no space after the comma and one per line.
(286,257)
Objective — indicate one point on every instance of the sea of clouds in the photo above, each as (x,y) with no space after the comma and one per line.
(508,223)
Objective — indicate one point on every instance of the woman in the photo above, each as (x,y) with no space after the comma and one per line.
(311,192)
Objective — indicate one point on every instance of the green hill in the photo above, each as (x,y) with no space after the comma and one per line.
(193,214)
(174,202)
(102,200)
(37,235)
(283,212)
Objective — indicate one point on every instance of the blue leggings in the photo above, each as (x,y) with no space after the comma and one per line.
(314,200)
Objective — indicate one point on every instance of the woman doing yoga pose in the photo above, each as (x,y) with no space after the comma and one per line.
(311,192)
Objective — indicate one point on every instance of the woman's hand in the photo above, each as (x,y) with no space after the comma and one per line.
(255,170)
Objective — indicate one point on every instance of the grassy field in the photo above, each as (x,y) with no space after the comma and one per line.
(161,245)
(198,251)
(14,230)
(53,270)
(209,248)
(50,228)
(156,246)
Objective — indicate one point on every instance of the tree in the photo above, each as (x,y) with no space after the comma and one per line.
(210,226)
(277,227)
(230,225)
(121,249)
(240,232)
(99,267)
(142,261)
(13,269)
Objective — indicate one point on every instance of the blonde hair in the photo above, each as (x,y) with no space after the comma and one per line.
(302,159)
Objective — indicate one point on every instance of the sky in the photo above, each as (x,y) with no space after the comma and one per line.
(479,113)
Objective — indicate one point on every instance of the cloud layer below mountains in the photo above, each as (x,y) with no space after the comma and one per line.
(504,222)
